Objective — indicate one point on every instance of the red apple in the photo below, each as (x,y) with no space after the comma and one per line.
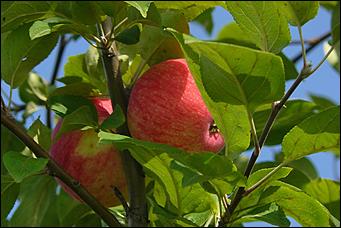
(96,166)
(165,106)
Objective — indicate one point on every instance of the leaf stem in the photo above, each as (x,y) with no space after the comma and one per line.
(322,61)
(264,179)
(304,55)
(313,43)
(8,121)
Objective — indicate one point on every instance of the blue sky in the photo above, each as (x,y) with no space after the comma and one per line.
(325,82)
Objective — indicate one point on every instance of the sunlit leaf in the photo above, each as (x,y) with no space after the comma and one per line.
(299,12)
(263,22)
(327,192)
(297,204)
(19,54)
(319,132)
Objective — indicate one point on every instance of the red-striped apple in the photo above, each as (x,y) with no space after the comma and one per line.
(165,106)
(96,166)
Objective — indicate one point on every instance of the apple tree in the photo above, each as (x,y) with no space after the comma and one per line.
(149,126)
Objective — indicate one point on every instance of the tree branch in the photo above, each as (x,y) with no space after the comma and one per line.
(62,45)
(57,171)
(137,215)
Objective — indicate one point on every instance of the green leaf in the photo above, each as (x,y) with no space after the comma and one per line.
(15,13)
(81,118)
(205,19)
(115,120)
(66,104)
(289,67)
(305,166)
(297,204)
(299,12)
(81,89)
(87,66)
(328,5)
(9,193)
(86,12)
(112,8)
(215,167)
(336,25)
(295,112)
(172,169)
(141,6)
(270,213)
(259,174)
(319,132)
(34,89)
(70,80)
(20,54)
(39,29)
(64,206)
(9,142)
(20,166)
(233,34)
(153,16)
(262,22)
(298,175)
(129,36)
(327,192)
(237,75)
(36,194)
(50,219)
(79,215)
(40,133)
(191,9)
(321,101)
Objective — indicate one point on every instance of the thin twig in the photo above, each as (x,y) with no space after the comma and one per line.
(304,55)
(263,180)
(313,44)
(54,168)
(322,61)
(119,25)
(312,41)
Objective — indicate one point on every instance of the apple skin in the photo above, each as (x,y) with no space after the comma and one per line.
(97,167)
(165,106)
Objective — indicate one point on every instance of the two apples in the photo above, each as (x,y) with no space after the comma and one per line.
(165,106)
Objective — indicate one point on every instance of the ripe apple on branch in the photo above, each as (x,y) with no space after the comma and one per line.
(165,106)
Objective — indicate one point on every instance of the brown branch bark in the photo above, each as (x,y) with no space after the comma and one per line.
(56,170)
(137,215)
